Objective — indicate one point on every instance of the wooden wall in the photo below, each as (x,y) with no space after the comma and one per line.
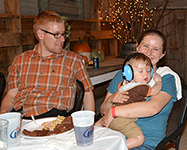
(16,19)
(174,26)
(173,4)
(16,35)
(176,32)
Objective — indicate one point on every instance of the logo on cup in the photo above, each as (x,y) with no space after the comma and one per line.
(14,134)
(88,132)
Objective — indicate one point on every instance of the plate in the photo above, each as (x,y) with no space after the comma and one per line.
(30,127)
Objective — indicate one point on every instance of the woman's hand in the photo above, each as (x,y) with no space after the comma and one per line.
(110,99)
(107,118)
(118,97)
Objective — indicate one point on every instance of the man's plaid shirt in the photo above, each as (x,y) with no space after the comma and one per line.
(46,83)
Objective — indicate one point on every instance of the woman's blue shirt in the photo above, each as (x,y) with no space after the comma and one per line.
(154,127)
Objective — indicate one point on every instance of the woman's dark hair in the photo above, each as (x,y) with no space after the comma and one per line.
(154,32)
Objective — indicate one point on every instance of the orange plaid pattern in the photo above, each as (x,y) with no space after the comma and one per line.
(46,83)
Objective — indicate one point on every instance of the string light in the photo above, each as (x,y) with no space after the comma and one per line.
(128,17)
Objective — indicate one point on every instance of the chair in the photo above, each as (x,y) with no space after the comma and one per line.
(79,97)
(97,117)
(174,137)
(2,85)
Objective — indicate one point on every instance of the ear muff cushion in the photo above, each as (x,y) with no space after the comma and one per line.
(128,72)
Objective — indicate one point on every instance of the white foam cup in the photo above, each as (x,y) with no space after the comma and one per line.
(83,122)
(13,133)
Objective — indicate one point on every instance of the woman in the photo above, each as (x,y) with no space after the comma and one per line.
(153,112)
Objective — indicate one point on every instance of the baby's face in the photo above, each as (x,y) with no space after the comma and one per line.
(142,72)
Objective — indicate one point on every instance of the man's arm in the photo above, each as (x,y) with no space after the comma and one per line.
(7,103)
(89,102)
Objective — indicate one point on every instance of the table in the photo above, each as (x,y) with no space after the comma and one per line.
(106,71)
(104,139)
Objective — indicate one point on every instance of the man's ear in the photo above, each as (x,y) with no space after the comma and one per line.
(40,34)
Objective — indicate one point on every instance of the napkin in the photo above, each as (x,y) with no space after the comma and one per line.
(166,70)
(61,142)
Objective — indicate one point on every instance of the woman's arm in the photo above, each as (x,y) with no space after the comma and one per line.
(139,109)
(113,98)
(113,95)
(107,103)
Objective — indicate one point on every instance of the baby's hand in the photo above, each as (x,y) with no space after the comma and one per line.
(157,78)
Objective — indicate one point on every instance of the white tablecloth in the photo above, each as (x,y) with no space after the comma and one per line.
(104,139)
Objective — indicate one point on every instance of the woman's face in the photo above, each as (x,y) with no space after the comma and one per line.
(151,46)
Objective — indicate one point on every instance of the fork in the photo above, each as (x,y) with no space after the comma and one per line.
(37,126)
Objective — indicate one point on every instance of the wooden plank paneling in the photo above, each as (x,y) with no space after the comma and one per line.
(80,25)
(27,24)
(72,9)
(175,28)
(43,5)
(87,8)
(173,4)
(16,32)
(29,7)
(185,50)
(176,42)
(3,56)
(2,25)
(2,8)
(107,34)
(113,43)
(16,39)
(9,39)
(27,39)
(13,7)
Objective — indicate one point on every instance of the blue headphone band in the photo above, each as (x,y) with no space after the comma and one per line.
(152,72)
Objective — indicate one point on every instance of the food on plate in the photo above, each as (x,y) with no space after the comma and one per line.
(50,125)
(42,132)
(65,125)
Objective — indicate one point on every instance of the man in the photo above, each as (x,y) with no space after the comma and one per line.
(42,81)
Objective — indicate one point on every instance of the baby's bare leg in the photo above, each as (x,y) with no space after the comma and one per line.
(135,141)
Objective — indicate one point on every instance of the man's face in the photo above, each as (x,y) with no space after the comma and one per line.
(51,45)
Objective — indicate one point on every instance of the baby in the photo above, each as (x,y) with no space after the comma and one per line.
(137,72)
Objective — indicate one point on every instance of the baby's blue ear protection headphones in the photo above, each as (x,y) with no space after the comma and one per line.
(127,70)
